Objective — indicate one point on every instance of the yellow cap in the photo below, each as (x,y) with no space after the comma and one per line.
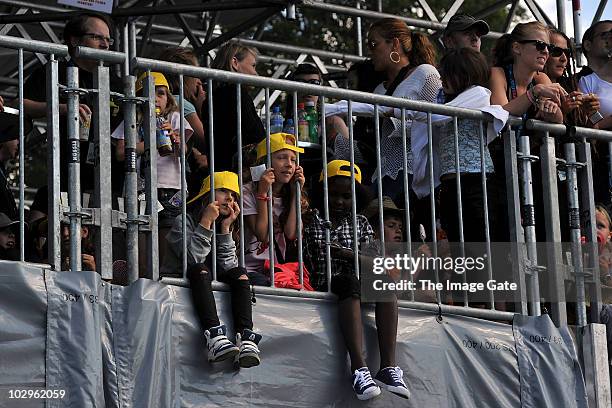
(341,168)
(278,141)
(158,77)
(223,179)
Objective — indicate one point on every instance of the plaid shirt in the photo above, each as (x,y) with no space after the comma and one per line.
(314,246)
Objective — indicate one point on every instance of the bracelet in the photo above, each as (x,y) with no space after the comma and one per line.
(530,96)
(262,197)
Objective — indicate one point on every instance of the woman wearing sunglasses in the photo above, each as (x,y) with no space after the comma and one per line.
(560,68)
(517,83)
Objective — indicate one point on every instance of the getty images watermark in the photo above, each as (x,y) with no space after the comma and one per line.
(404,264)
(476,272)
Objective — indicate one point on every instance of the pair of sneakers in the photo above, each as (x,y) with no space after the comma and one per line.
(245,352)
(390,378)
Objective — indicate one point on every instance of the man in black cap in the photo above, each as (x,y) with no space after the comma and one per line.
(464,31)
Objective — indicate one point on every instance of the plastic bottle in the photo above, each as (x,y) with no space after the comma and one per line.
(313,122)
(276,121)
(164,143)
(289,127)
(303,125)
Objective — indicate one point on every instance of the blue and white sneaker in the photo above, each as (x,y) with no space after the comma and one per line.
(219,346)
(247,342)
(392,379)
(364,386)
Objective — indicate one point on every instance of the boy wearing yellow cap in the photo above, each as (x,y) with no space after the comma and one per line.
(344,282)
(168,167)
(202,214)
(282,177)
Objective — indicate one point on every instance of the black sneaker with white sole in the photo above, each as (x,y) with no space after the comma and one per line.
(365,388)
(392,379)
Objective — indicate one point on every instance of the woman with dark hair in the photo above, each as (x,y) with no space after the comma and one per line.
(464,71)
(241,59)
(407,59)
(560,68)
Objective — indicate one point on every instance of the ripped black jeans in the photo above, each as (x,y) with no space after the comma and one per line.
(200,279)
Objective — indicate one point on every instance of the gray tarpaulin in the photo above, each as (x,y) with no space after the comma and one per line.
(141,346)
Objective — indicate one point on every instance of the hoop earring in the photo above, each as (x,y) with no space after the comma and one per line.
(391,57)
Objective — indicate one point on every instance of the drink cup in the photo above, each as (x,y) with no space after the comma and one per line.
(84,128)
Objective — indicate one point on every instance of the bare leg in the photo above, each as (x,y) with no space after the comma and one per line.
(386,327)
(349,311)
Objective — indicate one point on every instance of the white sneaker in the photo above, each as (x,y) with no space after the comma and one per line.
(219,346)
(249,351)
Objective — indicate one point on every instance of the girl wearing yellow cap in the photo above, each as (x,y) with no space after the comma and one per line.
(202,214)
(168,167)
(282,177)
(346,285)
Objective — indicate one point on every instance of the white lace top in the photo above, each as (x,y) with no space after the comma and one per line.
(422,84)
(469,148)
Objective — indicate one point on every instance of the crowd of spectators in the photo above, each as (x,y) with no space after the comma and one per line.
(532,74)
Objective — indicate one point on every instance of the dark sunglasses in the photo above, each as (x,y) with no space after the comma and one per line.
(557,51)
(309,81)
(540,45)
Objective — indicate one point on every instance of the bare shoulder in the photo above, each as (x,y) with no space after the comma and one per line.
(541,78)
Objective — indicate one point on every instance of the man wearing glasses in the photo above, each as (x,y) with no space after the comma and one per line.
(92,30)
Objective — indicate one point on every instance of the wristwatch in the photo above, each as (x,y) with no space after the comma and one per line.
(596,117)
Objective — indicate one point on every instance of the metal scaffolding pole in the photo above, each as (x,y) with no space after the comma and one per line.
(144,11)
(561,15)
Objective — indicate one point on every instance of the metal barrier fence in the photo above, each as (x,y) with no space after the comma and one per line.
(518,161)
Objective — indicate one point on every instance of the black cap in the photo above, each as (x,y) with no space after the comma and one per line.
(461,22)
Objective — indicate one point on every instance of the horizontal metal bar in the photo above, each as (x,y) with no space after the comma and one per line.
(429,307)
(351,11)
(307,89)
(7,41)
(298,50)
(559,129)
(102,55)
(144,11)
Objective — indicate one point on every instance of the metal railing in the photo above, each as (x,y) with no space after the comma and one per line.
(105,218)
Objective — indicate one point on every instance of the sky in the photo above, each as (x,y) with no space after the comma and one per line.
(588,8)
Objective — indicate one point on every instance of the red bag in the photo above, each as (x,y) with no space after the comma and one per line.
(287,275)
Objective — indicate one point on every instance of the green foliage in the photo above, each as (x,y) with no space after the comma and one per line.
(335,32)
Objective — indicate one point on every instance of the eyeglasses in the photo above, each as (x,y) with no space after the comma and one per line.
(99,38)
(605,35)
(309,81)
(540,45)
(371,44)
(557,51)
